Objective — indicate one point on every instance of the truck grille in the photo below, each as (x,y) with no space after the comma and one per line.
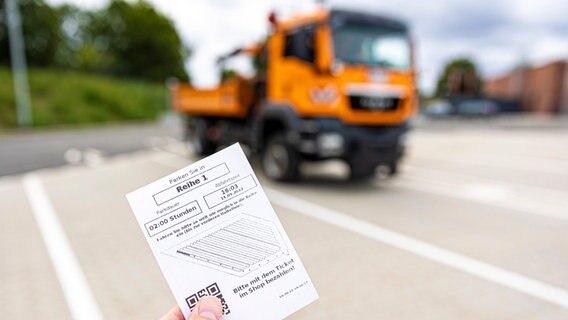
(374,103)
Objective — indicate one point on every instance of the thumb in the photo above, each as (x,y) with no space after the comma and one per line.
(208,308)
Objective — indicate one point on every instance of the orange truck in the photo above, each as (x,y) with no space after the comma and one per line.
(333,84)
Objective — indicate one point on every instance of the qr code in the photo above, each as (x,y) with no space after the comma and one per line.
(210,290)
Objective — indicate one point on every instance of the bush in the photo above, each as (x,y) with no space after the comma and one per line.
(60,97)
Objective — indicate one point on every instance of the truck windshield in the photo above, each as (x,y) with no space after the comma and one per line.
(371,45)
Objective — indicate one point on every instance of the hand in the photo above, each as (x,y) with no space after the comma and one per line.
(208,308)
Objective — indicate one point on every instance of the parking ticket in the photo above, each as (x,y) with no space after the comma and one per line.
(213,232)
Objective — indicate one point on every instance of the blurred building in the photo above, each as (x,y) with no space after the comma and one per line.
(542,89)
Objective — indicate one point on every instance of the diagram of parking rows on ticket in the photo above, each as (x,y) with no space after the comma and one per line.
(238,246)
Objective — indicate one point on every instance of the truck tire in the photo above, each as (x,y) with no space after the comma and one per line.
(280,161)
(198,139)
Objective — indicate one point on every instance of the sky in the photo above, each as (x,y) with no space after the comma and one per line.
(497,34)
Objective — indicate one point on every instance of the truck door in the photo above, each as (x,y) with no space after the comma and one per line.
(296,80)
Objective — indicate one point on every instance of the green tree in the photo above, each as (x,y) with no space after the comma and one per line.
(140,42)
(125,39)
(40,24)
(459,78)
(78,49)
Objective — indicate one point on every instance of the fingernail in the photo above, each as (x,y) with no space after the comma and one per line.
(208,315)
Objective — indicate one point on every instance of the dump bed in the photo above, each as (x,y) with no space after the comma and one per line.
(231,99)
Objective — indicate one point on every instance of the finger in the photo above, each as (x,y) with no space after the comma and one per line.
(174,314)
(208,308)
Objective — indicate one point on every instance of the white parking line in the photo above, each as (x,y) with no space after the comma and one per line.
(538,201)
(80,299)
(529,164)
(425,250)
(452,175)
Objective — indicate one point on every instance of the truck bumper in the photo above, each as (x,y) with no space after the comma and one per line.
(363,147)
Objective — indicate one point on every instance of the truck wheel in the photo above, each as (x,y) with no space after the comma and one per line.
(279,160)
(198,139)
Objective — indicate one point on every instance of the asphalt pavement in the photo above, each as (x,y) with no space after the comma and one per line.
(475,227)
(52,147)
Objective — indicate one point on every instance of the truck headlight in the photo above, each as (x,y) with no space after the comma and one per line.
(330,144)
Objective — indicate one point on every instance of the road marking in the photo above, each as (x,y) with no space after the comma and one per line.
(458,176)
(80,299)
(532,208)
(93,157)
(73,156)
(423,249)
(509,162)
(538,201)
(420,248)
(486,192)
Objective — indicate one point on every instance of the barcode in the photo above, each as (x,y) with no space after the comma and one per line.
(210,290)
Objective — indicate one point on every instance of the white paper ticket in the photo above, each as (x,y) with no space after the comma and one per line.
(213,232)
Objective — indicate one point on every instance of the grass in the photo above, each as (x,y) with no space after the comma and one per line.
(64,98)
